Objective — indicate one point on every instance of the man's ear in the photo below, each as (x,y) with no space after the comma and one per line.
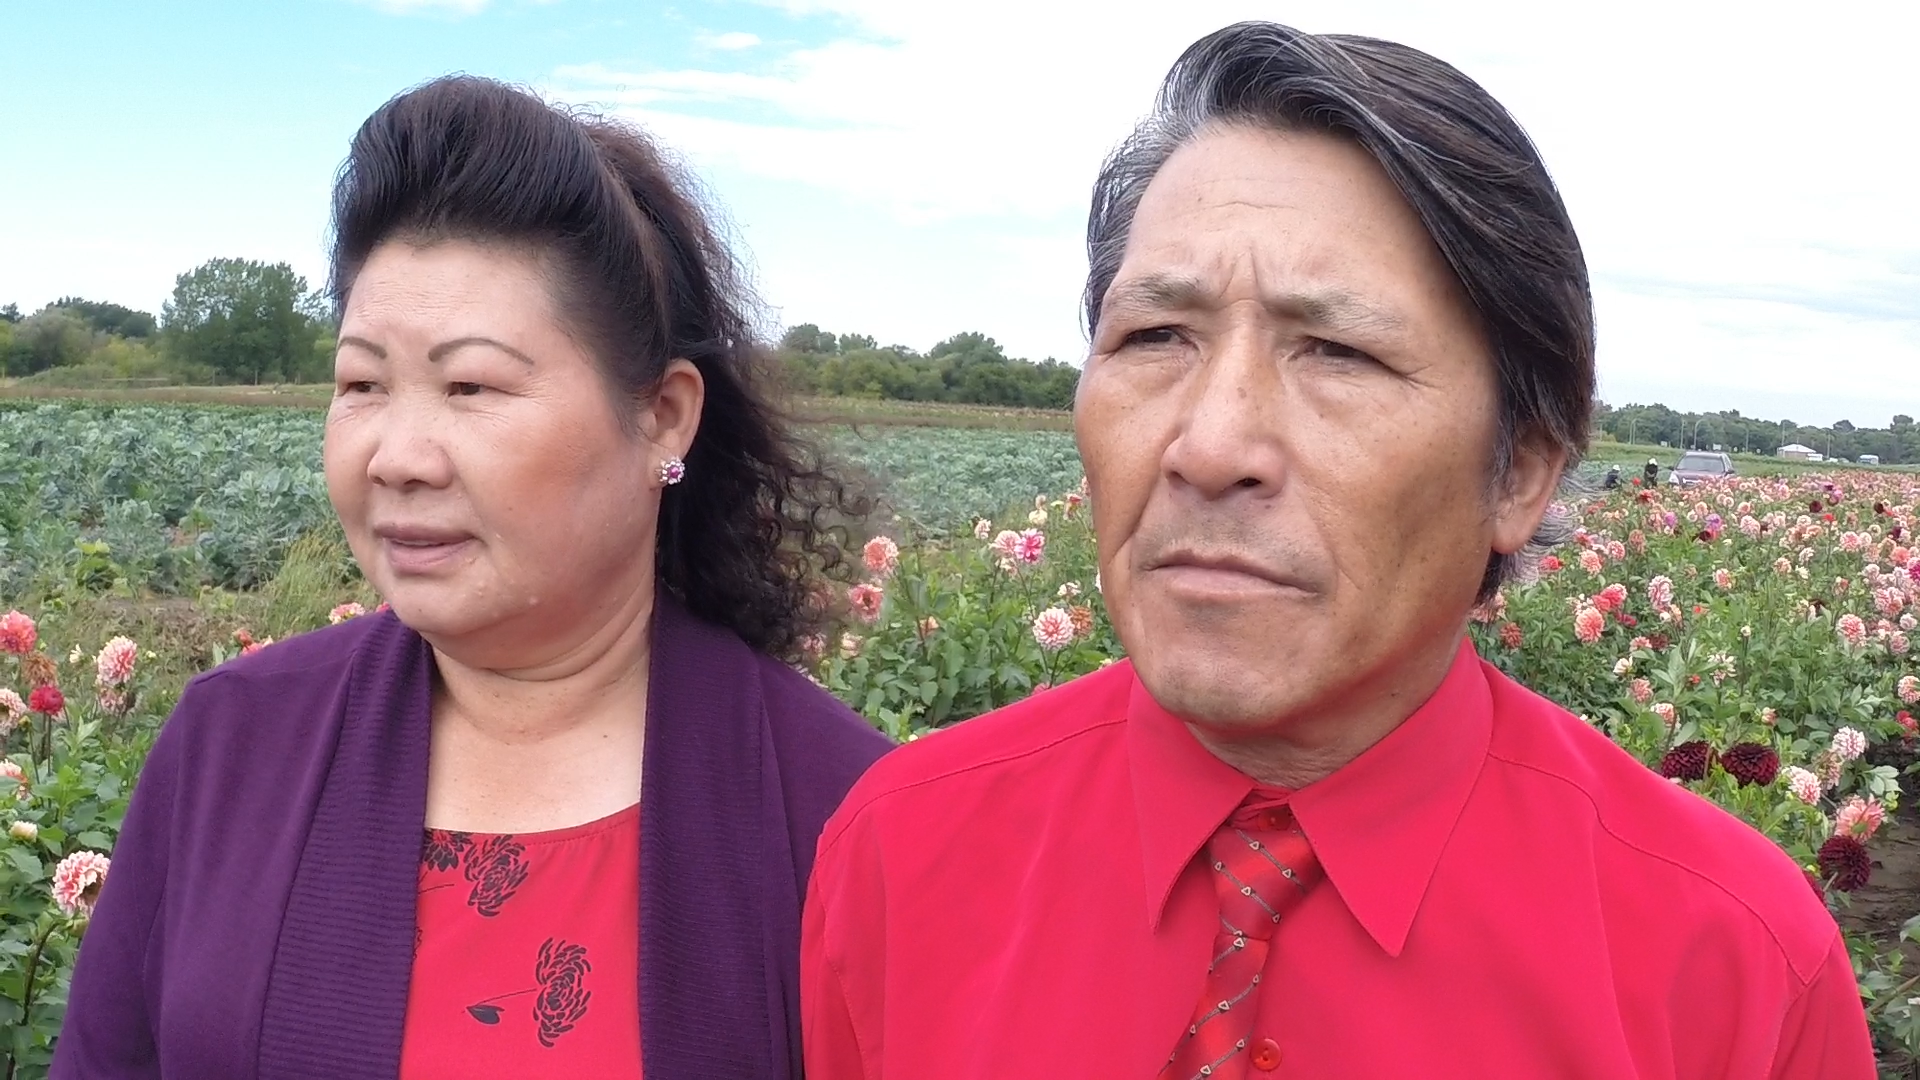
(1532,478)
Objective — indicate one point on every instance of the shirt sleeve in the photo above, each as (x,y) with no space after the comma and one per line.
(1825,1034)
(827,1022)
(108,1031)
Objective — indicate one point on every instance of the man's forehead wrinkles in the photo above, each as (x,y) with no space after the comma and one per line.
(1325,305)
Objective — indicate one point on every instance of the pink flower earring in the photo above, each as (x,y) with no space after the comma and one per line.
(672,471)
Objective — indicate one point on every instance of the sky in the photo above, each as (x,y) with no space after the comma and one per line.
(1742,175)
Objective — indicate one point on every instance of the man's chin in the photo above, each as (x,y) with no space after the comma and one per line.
(1222,687)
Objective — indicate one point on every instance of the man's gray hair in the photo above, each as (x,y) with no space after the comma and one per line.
(1459,159)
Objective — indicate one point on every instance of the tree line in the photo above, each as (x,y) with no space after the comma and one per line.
(228,321)
(968,368)
(242,321)
(1896,444)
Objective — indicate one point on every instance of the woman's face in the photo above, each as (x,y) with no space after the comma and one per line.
(477,461)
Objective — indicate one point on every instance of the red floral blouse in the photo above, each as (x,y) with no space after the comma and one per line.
(527,954)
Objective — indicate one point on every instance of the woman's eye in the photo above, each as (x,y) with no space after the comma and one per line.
(361,387)
(466,389)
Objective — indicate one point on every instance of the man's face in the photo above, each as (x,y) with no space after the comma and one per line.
(1288,419)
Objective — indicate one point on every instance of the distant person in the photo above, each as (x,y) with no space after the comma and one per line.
(1652,472)
(556,810)
(1342,355)
(1613,477)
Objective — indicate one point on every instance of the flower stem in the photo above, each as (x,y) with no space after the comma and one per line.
(26,989)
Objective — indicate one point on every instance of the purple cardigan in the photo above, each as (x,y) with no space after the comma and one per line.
(258,921)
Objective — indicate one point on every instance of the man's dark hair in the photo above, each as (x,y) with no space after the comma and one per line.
(1459,159)
(641,278)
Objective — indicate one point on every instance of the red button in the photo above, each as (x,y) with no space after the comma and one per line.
(1266,1055)
(1273,819)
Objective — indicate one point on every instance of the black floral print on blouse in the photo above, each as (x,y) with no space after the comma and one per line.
(560,973)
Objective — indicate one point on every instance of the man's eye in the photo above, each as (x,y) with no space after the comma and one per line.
(1338,351)
(1158,335)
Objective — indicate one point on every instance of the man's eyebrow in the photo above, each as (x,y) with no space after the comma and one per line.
(439,351)
(1336,309)
(1156,292)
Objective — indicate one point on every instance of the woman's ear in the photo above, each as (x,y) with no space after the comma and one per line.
(1532,479)
(672,418)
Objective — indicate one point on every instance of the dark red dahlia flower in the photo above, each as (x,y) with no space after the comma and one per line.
(1844,863)
(1751,763)
(1814,507)
(47,700)
(1688,761)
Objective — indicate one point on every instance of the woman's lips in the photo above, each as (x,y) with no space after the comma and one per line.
(410,555)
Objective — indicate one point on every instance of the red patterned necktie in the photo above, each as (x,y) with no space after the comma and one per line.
(1262,867)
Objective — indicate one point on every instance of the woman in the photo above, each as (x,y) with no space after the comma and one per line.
(550,452)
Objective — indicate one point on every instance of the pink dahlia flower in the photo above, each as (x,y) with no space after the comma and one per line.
(1592,562)
(865,600)
(1032,548)
(882,556)
(1588,624)
(348,610)
(114,666)
(1848,744)
(1641,690)
(1859,818)
(1804,785)
(15,773)
(1053,629)
(77,881)
(1852,629)
(1723,579)
(18,633)
(1006,545)
(1660,592)
(1908,688)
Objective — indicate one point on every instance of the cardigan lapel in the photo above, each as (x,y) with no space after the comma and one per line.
(704,973)
(336,999)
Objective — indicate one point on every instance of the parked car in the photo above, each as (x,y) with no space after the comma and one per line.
(1698,466)
(1869,459)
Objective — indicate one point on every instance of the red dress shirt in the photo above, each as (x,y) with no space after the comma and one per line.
(1508,894)
(527,953)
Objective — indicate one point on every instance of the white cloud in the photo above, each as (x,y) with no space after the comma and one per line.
(732,41)
(1740,180)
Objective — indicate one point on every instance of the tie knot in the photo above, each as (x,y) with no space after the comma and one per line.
(1262,867)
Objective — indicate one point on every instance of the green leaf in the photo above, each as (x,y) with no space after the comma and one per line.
(27,863)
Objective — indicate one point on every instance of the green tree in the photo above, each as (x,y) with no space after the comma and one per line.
(109,318)
(808,338)
(48,338)
(247,321)
(10,313)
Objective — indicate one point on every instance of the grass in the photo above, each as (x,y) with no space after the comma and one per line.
(186,633)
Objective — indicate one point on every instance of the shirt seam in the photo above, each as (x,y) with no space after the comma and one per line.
(840,984)
(1601,820)
(1779,1042)
(871,801)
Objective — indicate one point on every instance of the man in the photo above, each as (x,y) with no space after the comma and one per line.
(1342,354)
(1652,471)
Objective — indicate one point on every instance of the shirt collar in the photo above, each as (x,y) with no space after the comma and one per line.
(1377,824)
